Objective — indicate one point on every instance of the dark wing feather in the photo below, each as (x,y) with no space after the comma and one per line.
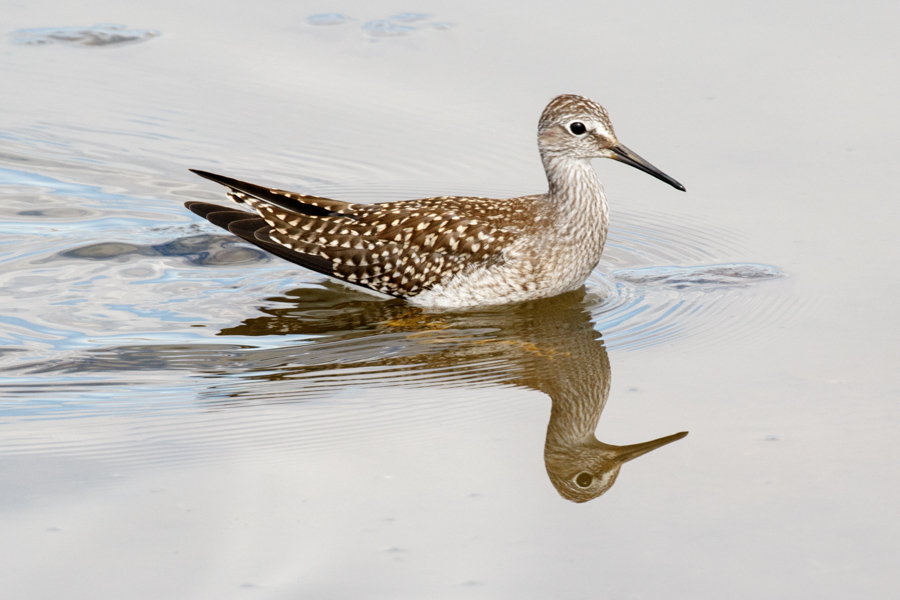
(255,230)
(312,206)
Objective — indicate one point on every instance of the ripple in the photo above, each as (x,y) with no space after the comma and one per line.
(95,35)
(197,249)
(257,432)
(396,25)
(387,28)
(327,19)
(408,17)
(703,304)
(681,278)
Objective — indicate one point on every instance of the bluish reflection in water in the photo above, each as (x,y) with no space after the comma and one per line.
(94,35)
(396,25)
(327,19)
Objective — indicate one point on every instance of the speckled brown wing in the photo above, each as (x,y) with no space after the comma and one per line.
(387,247)
(396,248)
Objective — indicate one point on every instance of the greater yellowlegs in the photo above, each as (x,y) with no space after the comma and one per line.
(452,251)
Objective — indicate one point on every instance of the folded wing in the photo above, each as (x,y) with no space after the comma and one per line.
(396,248)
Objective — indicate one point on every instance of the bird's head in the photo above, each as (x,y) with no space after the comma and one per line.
(577,127)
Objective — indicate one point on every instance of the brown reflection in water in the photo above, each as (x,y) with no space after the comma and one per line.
(548,345)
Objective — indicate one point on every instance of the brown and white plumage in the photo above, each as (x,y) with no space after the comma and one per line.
(452,251)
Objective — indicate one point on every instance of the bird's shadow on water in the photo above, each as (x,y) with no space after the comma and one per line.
(549,345)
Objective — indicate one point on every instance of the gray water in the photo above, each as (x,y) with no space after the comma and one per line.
(184,416)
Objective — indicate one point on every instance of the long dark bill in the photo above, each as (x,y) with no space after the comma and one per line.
(623,154)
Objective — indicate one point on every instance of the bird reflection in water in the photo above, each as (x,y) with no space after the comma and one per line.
(547,345)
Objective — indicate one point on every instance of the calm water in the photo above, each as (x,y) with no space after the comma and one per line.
(183,416)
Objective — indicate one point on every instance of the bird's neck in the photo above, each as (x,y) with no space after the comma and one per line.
(577,200)
(573,181)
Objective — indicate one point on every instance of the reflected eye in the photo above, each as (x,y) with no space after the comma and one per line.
(577,128)
(584,479)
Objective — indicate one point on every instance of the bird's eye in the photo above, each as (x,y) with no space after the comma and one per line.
(584,479)
(577,128)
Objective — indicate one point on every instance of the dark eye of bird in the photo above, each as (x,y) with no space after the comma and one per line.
(577,128)
(584,479)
